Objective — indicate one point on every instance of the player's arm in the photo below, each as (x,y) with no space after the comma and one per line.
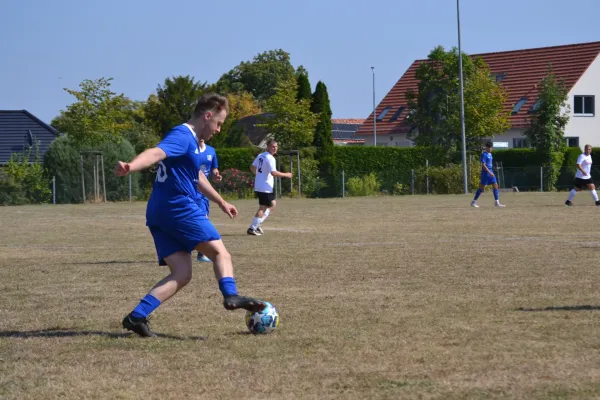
(144,160)
(206,189)
(253,169)
(217,177)
(490,173)
(278,174)
(580,160)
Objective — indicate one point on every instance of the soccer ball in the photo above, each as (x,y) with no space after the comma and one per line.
(264,321)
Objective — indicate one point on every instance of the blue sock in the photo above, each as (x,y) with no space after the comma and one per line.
(227,286)
(477,194)
(496,194)
(148,304)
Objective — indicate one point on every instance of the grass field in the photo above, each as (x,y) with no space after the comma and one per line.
(393,297)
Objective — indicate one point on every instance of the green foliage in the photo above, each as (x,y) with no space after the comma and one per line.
(241,105)
(63,160)
(435,108)
(304,91)
(293,123)
(323,139)
(98,115)
(173,103)
(547,125)
(367,185)
(447,179)
(571,155)
(237,184)
(309,173)
(22,182)
(261,77)
(240,158)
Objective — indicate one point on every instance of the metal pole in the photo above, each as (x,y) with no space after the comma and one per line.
(82,180)
(103,177)
(130,197)
(291,170)
(541,179)
(299,180)
(374,113)
(412,181)
(343,185)
(54,190)
(462,104)
(427,175)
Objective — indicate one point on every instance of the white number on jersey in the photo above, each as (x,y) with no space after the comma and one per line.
(161,172)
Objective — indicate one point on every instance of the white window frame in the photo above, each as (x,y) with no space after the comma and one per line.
(584,114)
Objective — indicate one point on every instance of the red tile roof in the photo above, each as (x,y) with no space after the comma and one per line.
(348,120)
(523,69)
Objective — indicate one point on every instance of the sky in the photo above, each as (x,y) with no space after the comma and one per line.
(47,46)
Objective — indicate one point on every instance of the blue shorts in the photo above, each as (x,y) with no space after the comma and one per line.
(183,236)
(486,180)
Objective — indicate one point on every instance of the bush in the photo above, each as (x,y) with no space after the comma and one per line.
(22,182)
(237,184)
(367,185)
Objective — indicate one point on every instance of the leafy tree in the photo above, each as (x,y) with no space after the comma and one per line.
(173,103)
(241,105)
(435,109)
(260,77)
(304,91)
(293,123)
(547,125)
(323,138)
(99,114)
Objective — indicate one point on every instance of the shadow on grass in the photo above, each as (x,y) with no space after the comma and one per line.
(561,308)
(60,332)
(111,262)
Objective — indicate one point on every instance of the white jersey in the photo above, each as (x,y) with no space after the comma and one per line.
(265,164)
(586,165)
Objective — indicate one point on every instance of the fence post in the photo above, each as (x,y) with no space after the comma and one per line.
(130,197)
(54,190)
(299,178)
(541,179)
(412,181)
(427,176)
(82,180)
(103,176)
(343,185)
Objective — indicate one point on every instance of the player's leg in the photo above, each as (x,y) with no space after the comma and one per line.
(223,269)
(497,194)
(201,257)
(180,266)
(262,206)
(480,190)
(572,193)
(592,188)
(269,209)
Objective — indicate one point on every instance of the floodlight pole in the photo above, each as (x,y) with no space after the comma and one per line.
(374,114)
(462,104)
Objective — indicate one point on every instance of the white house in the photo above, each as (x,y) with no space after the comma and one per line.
(519,72)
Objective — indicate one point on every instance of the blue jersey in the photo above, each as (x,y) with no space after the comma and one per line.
(208,162)
(175,189)
(486,158)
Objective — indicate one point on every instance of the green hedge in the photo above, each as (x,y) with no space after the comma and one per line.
(240,158)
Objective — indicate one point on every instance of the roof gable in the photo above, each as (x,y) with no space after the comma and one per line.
(519,72)
(19,129)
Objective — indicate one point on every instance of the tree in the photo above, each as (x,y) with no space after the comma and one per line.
(435,110)
(293,123)
(304,91)
(323,138)
(547,124)
(241,105)
(260,77)
(173,103)
(99,114)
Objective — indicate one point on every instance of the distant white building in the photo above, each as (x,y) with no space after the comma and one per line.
(519,72)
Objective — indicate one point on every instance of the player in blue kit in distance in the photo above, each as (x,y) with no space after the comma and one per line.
(487,176)
(209,165)
(177,222)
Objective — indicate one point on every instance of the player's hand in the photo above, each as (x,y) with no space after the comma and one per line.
(228,209)
(217,177)
(289,175)
(491,175)
(122,168)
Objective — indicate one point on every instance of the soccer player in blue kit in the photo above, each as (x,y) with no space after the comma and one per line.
(209,165)
(487,176)
(176,221)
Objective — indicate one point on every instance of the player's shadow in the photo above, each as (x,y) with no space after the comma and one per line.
(111,262)
(585,307)
(60,332)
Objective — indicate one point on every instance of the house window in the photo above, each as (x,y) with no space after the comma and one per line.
(500,77)
(519,104)
(572,141)
(397,114)
(584,105)
(535,106)
(383,114)
(520,143)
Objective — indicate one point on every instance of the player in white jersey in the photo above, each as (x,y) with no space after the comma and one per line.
(265,169)
(583,177)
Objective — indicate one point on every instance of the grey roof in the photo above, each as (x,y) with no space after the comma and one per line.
(19,130)
(345,131)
